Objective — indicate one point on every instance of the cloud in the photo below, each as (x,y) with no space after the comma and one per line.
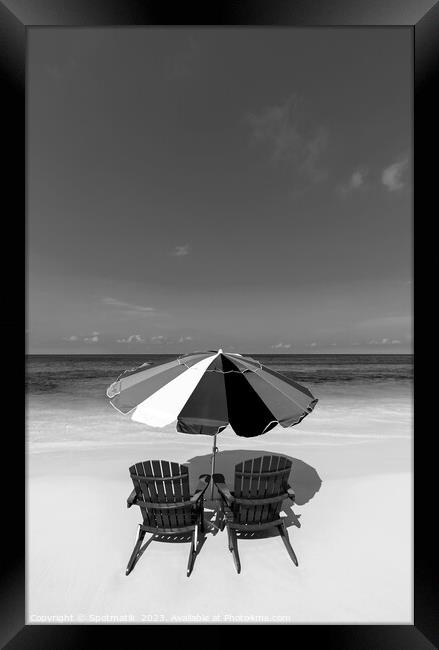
(133,338)
(127,307)
(283,131)
(181,251)
(393,175)
(159,339)
(92,338)
(281,345)
(356,181)
(182,339)
(384,341)
(311,345)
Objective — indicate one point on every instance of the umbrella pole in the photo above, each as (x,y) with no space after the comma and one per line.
(212,465)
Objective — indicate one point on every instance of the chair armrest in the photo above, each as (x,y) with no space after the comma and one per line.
(131,499)
(291,494)
(222,488)
(203,482)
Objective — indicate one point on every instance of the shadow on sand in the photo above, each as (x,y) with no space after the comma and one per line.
(304,480)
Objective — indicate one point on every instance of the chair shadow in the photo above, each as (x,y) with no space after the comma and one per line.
(304,480)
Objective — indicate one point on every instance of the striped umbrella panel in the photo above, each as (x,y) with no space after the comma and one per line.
(205,392)
(135,386)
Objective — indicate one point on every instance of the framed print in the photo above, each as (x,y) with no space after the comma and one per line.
(219,209)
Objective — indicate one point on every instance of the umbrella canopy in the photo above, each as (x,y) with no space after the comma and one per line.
(206,391)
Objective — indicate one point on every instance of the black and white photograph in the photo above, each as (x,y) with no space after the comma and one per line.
(219,325)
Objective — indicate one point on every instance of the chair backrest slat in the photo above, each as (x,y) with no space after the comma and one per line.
(178,492)
(151,489)
(260,478)
(246,482)
(266,464)
(254,512)
(161,483)
(238,479)
(161,487)
(275,483)
(169,493)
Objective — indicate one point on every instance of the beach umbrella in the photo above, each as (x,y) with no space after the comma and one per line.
(204,392)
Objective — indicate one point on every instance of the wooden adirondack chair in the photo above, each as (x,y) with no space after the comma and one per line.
(261,485)
(161,490)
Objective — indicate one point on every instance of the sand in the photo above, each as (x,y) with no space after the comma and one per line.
(354,545)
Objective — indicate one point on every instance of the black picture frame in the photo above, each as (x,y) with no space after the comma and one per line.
(16,18)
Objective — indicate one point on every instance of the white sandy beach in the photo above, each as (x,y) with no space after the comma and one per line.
(354,547)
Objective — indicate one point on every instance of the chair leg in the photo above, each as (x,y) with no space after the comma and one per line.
(230,541)
(201,515)
(192,553)
(286,540)
(233,547)
(132,561)
(295,519)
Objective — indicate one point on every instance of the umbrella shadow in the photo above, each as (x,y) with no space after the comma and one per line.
(304,480)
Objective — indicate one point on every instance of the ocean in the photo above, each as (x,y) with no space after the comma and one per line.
(361,397)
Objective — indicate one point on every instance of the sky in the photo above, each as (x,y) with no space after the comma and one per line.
(237,188)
